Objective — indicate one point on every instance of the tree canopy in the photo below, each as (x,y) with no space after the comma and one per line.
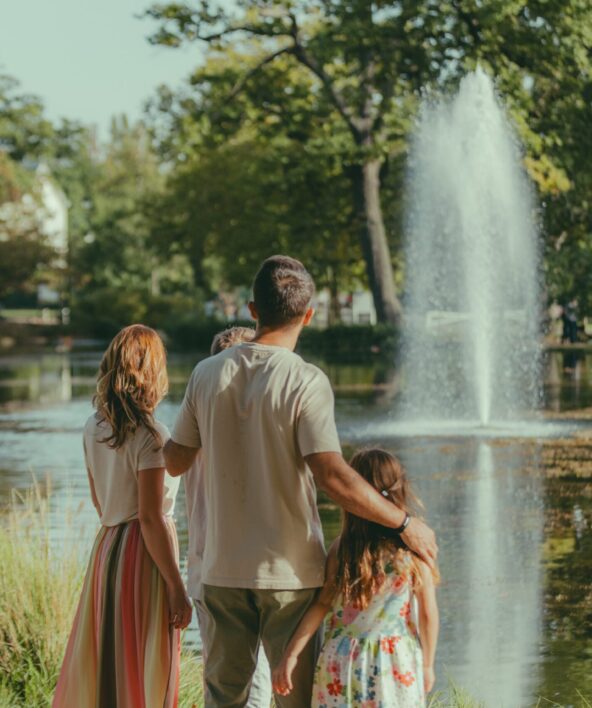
(367,65)
(292,135)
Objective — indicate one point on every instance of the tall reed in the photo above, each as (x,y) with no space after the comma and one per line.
(39,586)
(40,582)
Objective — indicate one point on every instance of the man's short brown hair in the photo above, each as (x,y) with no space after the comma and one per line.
(282,291)
(231,336)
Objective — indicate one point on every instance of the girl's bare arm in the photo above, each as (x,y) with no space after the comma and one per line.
(309,624)
(428,623)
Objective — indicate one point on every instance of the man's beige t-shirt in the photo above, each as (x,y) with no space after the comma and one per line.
(115,472)
(256,411)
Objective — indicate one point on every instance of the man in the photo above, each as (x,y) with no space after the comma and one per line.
(265,421)
(197,515)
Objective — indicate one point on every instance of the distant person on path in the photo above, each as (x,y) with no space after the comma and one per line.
(197,511)
(570,322)
(375,652)
(264,419)
(124,647)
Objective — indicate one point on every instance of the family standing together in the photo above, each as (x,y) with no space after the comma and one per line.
(254,439)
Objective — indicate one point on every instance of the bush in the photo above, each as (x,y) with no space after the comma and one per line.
(342,343)
(102,313)
(351,343)
(193,333)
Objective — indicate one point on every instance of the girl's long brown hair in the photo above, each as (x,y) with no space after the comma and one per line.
(365,547)
(131,381)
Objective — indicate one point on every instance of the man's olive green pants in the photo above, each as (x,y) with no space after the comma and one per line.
(238,620)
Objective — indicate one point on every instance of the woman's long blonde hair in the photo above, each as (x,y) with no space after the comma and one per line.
(131,382)
(365,547)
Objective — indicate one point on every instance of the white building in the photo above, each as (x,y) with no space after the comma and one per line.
(53,211)
(46,209)
(355,308)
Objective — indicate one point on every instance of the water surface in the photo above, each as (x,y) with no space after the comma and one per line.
(515,540)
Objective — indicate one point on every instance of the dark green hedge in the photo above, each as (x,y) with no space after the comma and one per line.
(353,343)
(348,343)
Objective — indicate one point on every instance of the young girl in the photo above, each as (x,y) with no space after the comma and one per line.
(124,646)
(374,655)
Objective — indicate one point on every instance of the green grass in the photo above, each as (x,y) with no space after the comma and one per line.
(453,697)
(39,591)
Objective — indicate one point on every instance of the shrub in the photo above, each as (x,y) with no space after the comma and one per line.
(102,313)
(352,343)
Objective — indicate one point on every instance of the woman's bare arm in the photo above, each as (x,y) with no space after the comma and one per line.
(159,544)
(93,493)
(179,458)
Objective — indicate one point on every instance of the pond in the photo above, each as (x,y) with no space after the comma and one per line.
(513,516)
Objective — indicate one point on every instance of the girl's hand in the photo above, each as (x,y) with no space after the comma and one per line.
(281,678)
(179,606)
(429,678)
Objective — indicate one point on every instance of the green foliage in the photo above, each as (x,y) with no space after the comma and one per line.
(22,252)
(23,249)
(227,208)
(357,343)
(104,311)
(348,76)
(24,130)
(192,332)
(261,151)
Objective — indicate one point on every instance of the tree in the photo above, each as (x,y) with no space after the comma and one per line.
(351,90)
(23,248)
(25,132)
(239,189)
(116,251)
(370,61)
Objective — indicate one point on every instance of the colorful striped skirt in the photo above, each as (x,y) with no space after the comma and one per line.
(122,652)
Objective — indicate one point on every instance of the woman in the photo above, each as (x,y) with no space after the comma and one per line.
(123,650)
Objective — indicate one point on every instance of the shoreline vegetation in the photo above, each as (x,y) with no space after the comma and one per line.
(39,590)
(337,343)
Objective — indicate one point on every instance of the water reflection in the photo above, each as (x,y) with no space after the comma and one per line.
(51,378)
(485,502)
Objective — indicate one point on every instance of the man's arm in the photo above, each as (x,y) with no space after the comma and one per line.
(178,458)
(347,488)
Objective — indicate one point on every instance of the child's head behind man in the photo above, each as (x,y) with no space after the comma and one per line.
(231,336)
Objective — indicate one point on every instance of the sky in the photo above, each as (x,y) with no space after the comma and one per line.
(88,60)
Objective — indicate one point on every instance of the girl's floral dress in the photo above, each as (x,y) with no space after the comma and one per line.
(372,658)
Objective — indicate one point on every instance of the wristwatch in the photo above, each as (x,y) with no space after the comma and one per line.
(404,525)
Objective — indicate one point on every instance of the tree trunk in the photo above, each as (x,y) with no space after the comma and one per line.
(366,185)
(334,317)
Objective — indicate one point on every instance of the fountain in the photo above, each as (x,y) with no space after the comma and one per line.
(471,348)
